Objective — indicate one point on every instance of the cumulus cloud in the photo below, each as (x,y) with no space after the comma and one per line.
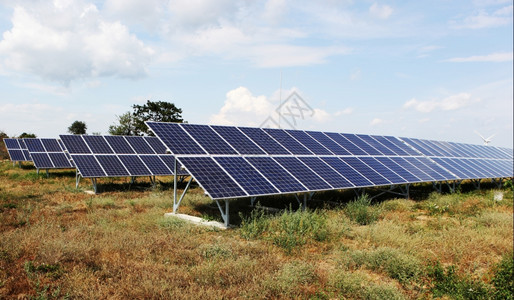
(494,57)
(346,111)
(376,121)
(380,11)
(453,102)
(63,41)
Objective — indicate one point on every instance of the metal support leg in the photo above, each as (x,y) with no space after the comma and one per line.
(176,203)
(37,172)
(93,180)
(47,173)
(252,201)
(224,214)
(77,179)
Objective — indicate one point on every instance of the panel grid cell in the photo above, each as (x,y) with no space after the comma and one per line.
(97,144)
(266,142)
(309,142)
(276,174)
(303,173)
(346,144)
(326,172)
(288,141)
(208,139)
(238,140)
(323,139)
(175,138)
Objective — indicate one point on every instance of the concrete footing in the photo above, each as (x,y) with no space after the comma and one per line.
(197,220)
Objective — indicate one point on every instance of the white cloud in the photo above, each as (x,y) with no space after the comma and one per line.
(494,57)
(321,116)
(346,111)
(485,19)
(376,121)
(63,41)
(356,75)
(453,102)
(380,11)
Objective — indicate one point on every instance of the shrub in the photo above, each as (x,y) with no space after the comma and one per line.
(255,225)
(354,285)
(361,211)
(446,282)
(503,279)
(290,277)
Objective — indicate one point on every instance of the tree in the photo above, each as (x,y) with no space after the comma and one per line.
(3,149)
(126,125)
(159,111)
(27,136)
(77,127)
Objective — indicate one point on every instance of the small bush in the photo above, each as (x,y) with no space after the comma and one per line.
(354,285)
(361,211)
(290,277)
(446,282)
(503,279)
(255,225)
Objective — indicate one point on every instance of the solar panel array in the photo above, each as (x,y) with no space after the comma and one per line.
(48,153)
(234,162)
(119,156)
(17,150)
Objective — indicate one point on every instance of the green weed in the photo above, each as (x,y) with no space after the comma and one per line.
(446,282)
(361,211)
(503,279)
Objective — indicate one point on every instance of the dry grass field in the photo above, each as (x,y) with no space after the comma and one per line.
(57,242)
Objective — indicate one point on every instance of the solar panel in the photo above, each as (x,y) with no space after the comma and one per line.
(383,170)
(326,172)
(112,165)
(375,144)
(88,165)
(238,140)
(175,138)
(323,139)
(119,144)
(47,153)
(34,145)
(169,161)
(216,182)
(367,171)
(17,150)
(156,165)
(398,169)
(347,171)
(265,141)
(346,144)
(51,145)
(75,144)
(288,141)
(303,173)
(139,145)
(210,141)
(60,160)
(370,150)
(135,165)
(275,173)
(42,160)
(309,142)
(156,144)
(247,176)
(97,144)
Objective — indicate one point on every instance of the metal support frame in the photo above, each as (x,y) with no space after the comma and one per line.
(47,173)
(224,213)
(403,191)
(95,188)
(252,201)
(176,203)
(498,182)
(476,183)
(306,196)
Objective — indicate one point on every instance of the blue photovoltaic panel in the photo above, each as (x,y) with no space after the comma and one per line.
(12,144)
(326,172)
(97,144)
(346,144)
(305,175)
(59,160)
(489,166)
(156,144)
(437,168)
(169,160)
(119,144)
(208,139)
(309,142)
(51,145)
(238,140)
(383,170)
(112,165)
(420,163)
(370,150)
(16,155)
(465,168)
(175,138)
(328,143)
(281,179)
(212,178)
(88,166)
(135,165)
(156,165)
(376,145)
(403,172)
(288,141)
(448,163)
(139,145)
(348,172)
(34,145)
(74,144)
(400,144)
(365,170)
(42,161)
(266,142)
(432,147)
(246,175)
(412,168)
(393,147)
(485,172)
(420,147)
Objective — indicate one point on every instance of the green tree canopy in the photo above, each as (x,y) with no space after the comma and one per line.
(26,135)
(3,149)
(125,125)
(77,127)
(133,123)
(159,111)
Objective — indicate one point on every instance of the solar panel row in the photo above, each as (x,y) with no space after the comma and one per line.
(231,162)
(48,153)
(120,156)
(17,150)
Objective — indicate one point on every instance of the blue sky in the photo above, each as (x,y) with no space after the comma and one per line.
(428,69)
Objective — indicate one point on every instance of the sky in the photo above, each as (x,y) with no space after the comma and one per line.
(440,69)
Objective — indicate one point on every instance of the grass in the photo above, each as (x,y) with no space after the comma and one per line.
(58,243)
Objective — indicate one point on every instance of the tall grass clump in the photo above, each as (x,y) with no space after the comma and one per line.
(446,282)
(356,285)
(288,230)
(503,279)
(361,211)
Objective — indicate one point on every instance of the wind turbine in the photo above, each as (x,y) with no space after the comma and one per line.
(486,140)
